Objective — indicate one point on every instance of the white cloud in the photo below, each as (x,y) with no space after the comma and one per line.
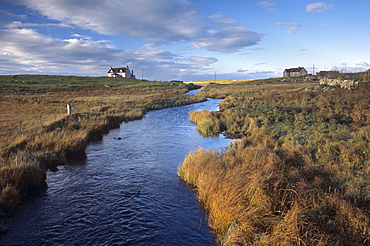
(240,70)
(19,24)
(226,36)
(363,64)
(27,50)
(268,5)
(292,28)
(160,21)
(317,7)
(202,60)
(251,74)
(348,68)
(7,13)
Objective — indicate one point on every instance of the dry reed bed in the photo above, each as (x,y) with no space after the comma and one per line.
(300,174)
(57,138)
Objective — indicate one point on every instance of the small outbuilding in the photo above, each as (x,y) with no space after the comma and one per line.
(367,75)
(123,72)
(328,74)
(295,72)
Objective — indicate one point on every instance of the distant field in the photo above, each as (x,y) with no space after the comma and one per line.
(221,81)
(12,83)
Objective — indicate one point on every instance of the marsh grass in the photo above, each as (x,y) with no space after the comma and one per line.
(299,176)
(208,123)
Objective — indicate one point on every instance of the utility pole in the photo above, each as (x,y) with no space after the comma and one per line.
(142,74)
(313,69)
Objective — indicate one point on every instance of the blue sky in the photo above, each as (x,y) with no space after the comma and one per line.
(183,39)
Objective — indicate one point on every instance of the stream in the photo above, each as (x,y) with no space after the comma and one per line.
(126,192)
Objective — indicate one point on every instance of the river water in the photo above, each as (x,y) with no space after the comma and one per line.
(126,192)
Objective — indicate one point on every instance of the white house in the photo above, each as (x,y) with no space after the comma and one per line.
(295,72)
(121,72)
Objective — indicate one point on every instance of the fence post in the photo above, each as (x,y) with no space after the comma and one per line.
(21,128)
(69,109)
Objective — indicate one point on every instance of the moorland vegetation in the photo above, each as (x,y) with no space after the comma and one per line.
(299,173)
(37,134)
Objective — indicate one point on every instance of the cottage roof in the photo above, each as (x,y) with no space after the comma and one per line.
(292,70)
(117,70)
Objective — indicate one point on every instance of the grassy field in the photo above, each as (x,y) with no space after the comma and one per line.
(221,81)
(11,83)
(300,173)
(36,132)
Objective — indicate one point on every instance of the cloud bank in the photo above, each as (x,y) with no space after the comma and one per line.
(160,21)
(33,52)
(59,37)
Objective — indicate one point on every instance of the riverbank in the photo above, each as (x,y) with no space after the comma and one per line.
(300,173)
(39,135)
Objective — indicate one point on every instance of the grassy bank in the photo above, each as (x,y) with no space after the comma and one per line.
(37,133)
(220,81)
(299,176)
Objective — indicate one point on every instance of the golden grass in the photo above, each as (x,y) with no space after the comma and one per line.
(208,123)
(221,81)
(300,174)
(259,196)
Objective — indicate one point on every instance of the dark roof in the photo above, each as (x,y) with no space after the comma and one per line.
(292,70)
(117,70)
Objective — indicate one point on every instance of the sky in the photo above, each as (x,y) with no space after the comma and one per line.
(183,39)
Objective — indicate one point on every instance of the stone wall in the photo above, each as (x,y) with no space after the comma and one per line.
(346,84)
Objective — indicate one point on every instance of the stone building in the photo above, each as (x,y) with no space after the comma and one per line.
(295,72)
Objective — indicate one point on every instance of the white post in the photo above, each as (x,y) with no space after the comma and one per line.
(21,128)
(69,109)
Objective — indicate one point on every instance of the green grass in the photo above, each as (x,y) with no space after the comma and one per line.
(11,83)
